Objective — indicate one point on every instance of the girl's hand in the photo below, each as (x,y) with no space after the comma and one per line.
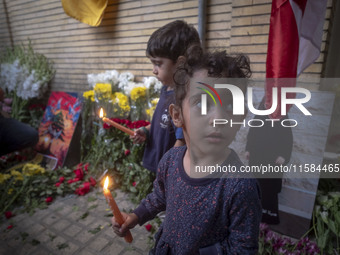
(130,221)
(139,136)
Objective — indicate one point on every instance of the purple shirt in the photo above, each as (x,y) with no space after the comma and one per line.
(223,213)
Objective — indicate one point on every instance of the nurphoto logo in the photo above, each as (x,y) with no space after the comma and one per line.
(238,104)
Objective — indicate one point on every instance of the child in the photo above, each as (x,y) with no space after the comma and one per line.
(166,48)
(203,215)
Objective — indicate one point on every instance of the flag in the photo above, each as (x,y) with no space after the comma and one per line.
(295,36)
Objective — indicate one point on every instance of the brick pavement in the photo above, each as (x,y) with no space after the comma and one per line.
(71,225)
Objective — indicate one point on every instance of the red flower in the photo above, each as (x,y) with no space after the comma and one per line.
(61,179)
(81,191)
(86,167)
(10,226)
(49,199)
(8,214)
(148,227)
(134,184)
(106,126)
(79,173)
(127,152)
(92,181)
(57,184)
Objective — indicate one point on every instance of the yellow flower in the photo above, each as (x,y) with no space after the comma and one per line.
(32,169)
(89,95)
(4,177)
(154,101)
(10,191)
(138,93)
(103,90)
(17,175)
(123,101)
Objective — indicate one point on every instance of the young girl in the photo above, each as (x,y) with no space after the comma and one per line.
(205,213)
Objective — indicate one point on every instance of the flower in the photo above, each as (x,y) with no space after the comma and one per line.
(81,191)
(92,181)
(134,184)
(30,169)
(8,214)
(102,91)
(138,93)
(17,175)
(127,152)
(148,227)
(79,173)
(49,200)
(57,184)
(4,177)
(10,227)
(89,95)
(62,179)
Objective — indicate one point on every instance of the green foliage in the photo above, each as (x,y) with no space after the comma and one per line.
(326,219)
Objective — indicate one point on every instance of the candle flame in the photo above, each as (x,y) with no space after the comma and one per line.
(106,183)
(101,113)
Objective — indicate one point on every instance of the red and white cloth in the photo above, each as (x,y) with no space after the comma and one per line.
(295,37)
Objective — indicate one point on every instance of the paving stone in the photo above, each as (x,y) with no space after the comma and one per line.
(62,224)
(36,228)
(98,244)
(50,219)
(72,230)
(85,252)
(113,248)
(141,242)
(83,236)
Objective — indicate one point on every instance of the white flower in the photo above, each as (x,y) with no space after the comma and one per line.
(149,81)
(126,76)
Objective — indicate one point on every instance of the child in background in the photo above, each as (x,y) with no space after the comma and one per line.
(205,214)
(166,48)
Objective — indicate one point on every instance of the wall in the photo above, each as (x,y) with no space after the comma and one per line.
(120,41)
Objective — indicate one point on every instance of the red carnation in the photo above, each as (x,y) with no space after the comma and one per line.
(92,181)
(127,152)
(57,184)
(49,199)
(106,126)
(86,167)
(8,214)
(61,179)
(79,173)
(10,226)
(148,227)
(81,191)
(134,184)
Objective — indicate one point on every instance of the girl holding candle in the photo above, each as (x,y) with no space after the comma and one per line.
(216,213)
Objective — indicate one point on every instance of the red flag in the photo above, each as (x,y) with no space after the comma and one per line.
(295,37)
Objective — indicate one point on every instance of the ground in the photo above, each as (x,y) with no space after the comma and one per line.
(71,225)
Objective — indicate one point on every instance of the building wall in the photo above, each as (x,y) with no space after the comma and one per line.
(120,41)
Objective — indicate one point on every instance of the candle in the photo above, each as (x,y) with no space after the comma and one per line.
(115,124)
(115,210)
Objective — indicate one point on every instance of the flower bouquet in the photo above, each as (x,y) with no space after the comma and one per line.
(24,76)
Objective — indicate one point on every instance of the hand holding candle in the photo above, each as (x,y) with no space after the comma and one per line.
(115,210)
(115,124)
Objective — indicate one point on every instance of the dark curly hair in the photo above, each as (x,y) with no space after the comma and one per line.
(219,64)
(172,40)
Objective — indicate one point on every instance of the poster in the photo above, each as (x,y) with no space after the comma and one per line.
(297,196)
(58,125)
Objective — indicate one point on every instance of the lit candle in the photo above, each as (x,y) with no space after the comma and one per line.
(115,124)
(115,210)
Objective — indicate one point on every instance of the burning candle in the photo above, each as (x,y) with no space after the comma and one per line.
(114,208)
(115,124)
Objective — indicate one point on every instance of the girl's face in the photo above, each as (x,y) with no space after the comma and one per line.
(203,139)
